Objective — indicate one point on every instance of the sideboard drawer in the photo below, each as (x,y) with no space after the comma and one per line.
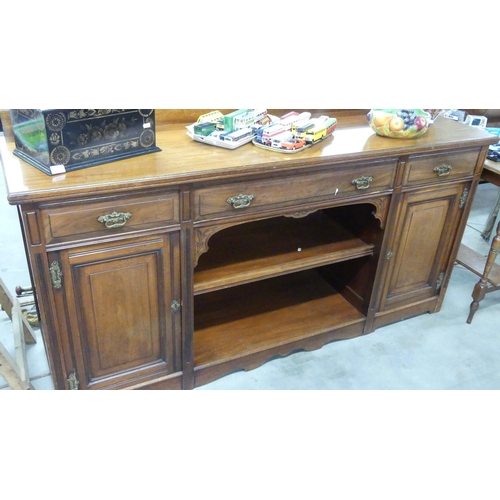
(94,219)
(440,167)
(232,199)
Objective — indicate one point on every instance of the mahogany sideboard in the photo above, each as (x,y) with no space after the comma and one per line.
(230,258)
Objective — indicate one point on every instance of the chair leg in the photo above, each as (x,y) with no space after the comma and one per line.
(478,295)
(490,223)
(481,287)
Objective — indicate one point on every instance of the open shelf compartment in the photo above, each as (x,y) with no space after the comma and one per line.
(267,248)
(257,317)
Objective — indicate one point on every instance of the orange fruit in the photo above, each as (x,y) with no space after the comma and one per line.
(396,124)
(380,119)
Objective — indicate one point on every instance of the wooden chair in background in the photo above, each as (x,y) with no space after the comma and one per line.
(14,369)
(485,267)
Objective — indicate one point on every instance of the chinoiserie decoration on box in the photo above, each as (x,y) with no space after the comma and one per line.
(402,123)
(62,140)
(290,133)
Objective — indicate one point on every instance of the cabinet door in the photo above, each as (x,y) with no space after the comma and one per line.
(121,301)
(422,240)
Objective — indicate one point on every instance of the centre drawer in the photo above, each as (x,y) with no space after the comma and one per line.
(94,218)
(440,167)
(282,192)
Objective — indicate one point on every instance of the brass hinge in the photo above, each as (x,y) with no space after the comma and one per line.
(73,382)
(439,282)
(463,198)
(56,275)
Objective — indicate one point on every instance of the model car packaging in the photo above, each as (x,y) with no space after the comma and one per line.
(61,140)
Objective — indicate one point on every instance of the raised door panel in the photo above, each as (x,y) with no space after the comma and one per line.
(132,318)
(123,328)
(421,246)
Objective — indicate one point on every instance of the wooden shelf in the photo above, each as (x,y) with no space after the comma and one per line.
(272,247)
(241,321)
(475,262)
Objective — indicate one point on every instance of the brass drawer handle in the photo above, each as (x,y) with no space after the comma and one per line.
(443,170)
(362,182)
(114,219)
(241,201)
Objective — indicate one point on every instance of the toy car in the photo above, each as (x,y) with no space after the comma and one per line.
(293,143)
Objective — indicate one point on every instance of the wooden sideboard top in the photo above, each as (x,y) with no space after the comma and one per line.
(183,160)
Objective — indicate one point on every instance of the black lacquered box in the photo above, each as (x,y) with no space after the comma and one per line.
(61,140)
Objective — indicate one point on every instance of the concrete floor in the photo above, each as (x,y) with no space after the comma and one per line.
(437,351)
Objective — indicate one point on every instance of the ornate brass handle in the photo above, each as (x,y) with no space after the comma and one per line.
(443,170)
(73,382)
(362,182)
(56,275)
(114,219)
(241,201)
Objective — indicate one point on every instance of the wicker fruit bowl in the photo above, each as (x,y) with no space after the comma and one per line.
(401,123)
